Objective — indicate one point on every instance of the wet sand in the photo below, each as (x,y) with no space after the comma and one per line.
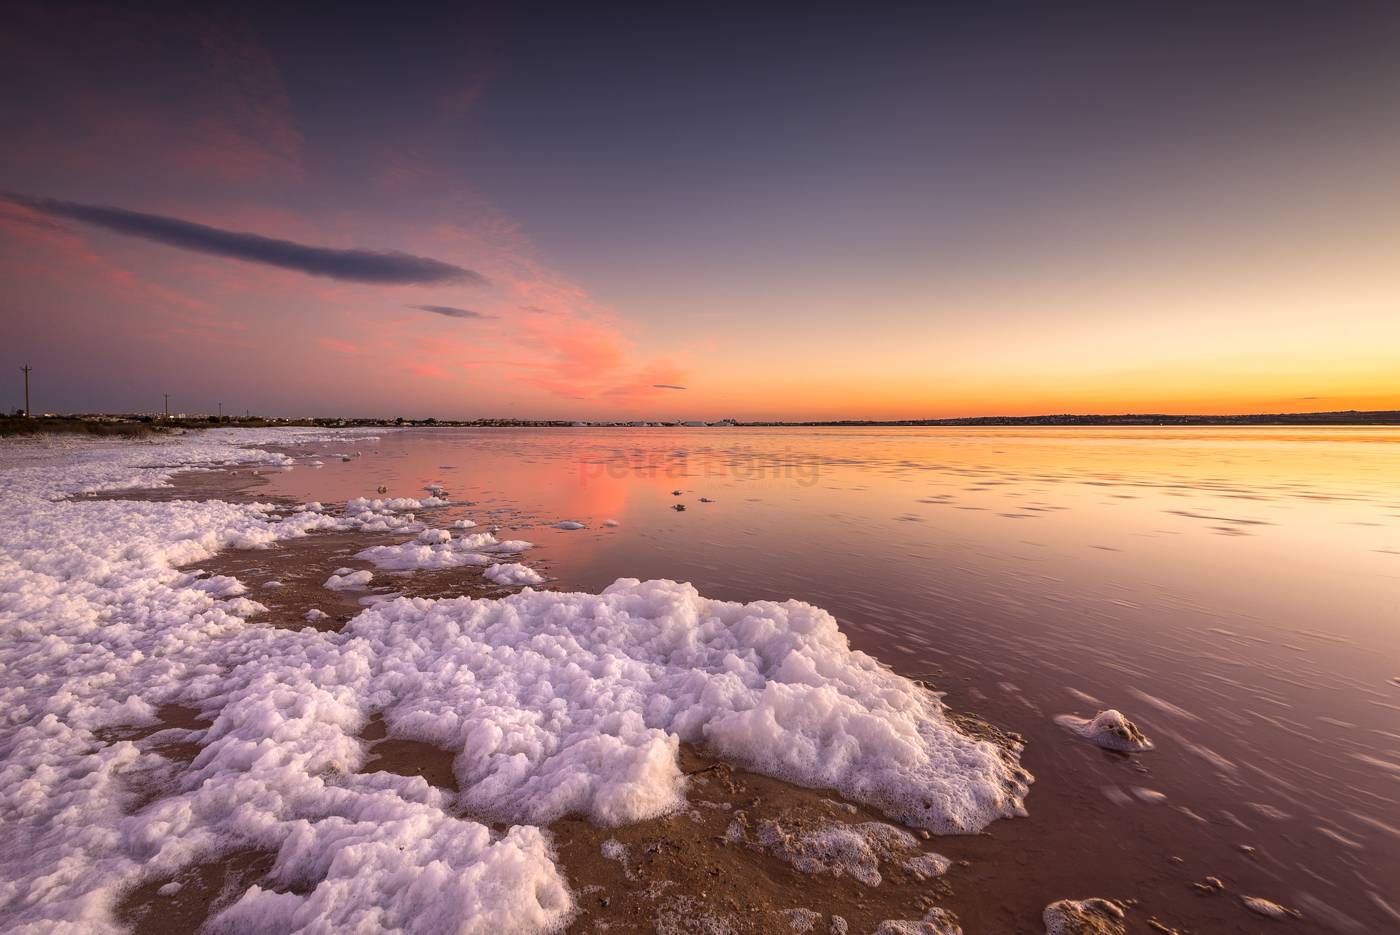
(232,485)
(1093,830)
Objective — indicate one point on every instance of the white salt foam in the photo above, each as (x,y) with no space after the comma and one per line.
(513,574)
(434,548)
(1108,729)
(351,581)
(1083,917)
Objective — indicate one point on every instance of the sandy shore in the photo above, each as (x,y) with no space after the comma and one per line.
(746,853)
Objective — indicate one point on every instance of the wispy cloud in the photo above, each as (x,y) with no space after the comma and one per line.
(667,386)
(385,267)
(339,346)
(451,312)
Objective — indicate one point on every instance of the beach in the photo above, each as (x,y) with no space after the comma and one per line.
(252,690)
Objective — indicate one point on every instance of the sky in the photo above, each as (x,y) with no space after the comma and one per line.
(601,211)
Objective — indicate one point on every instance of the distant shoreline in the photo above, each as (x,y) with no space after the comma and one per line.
(139,424)
(1348,417)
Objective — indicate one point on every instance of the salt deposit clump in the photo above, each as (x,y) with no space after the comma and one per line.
(378,515)
(347,580)
(553,704)
(1083,917)
(395,505)
(1269,908)
(935,922)
(435,548)
(1108,729)
(838,849)
(513,574)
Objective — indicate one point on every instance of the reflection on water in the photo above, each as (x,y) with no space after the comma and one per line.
(1236,592)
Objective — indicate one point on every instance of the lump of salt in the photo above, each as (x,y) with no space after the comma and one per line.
(1108,729)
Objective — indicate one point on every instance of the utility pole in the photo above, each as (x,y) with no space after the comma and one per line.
(26,368)
(167,404)
(221,412)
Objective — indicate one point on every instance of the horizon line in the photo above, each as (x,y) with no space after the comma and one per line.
(1362,416)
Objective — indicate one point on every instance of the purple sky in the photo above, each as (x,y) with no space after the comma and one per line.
(533,211)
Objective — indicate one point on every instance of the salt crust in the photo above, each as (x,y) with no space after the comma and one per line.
(513,574)
(838,849)
(1108,729)
(1083,917)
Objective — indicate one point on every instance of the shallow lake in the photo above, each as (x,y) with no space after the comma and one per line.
(1235,592)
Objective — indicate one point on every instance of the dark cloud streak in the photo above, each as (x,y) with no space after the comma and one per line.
(383,267)
(451,312)
(667,386)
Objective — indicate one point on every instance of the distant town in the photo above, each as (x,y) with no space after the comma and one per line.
(140,422)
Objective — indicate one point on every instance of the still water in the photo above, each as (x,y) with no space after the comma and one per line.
(1236,592)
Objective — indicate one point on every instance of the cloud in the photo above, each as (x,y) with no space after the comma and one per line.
(386,267)
(342,347)
(451,312)
(431,371)
(667,386)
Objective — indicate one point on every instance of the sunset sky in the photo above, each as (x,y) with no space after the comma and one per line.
(534,211)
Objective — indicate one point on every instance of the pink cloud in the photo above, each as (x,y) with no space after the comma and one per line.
(556,339)
(430,371)
(654,379)
(337,345)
